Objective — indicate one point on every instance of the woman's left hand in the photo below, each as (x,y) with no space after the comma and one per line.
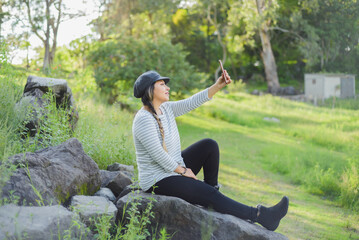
(221,82)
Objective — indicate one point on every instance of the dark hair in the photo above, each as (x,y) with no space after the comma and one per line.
(147,99)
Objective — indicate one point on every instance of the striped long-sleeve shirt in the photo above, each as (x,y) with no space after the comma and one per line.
(153,162)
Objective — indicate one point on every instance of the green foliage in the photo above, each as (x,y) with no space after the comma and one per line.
(191,28)
(53,126)
(137,221)
(323,182)
(10,117)
(105,132)
(336,31)
(236,86)
(117,64)
(349,196)
(350,104)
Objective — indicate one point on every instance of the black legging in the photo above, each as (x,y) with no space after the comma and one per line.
(204,153)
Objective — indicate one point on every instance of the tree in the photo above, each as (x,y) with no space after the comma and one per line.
(334,34)
(192,29)
(258,16)
(134,18)
(3,15)
(43,18)
(118,63)
(220,29)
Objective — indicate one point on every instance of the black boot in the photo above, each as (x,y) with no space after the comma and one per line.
(270,217)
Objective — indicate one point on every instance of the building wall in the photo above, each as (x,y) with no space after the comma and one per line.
(331,87)
(314,86)
(347,87)
(322,86)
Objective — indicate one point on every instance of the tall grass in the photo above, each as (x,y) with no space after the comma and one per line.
(10,115)
(312,146)
(105,133)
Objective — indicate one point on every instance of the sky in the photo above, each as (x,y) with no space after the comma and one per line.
(68,30)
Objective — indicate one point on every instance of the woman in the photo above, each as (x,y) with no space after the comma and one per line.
(166,170)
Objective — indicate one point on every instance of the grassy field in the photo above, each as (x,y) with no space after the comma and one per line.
(269,146)
(303,156)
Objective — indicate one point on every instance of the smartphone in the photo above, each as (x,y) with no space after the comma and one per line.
(220,63)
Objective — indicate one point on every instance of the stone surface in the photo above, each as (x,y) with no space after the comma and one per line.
(120,167)
(48,222)
(33,103)
(56,173)
(287,91)
(107,177)
(107,193)
(91,207)
(128,170)
(130,188)
(187,221)
(271,119)
(116,181)
(118,184)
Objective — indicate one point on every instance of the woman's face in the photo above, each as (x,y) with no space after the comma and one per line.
(161,92)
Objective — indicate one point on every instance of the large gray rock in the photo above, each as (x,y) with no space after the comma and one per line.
(130,188)
(116,181)
(107,176)
(34,103)
(127,169)
(187,221)
(93,207)
(49,222)
(107,193)
(51,175)
(119,183)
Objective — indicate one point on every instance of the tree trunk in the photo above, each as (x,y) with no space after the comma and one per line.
(219,38)
(270,67)
(55,29)
(46,64)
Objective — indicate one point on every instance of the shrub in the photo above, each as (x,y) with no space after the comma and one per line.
(117,64)
(236,86)
(10,93)
(323,182)
(349,195)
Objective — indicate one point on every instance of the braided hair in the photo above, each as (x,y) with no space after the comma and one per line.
(147,99)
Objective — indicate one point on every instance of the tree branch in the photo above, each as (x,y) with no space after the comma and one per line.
(33,27)
(287,31)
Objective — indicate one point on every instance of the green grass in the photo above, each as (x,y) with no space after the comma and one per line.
(304,156)
(311,155)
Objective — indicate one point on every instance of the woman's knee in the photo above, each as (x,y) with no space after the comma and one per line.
(210,143)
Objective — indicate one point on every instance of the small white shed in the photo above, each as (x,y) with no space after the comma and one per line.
(322,86)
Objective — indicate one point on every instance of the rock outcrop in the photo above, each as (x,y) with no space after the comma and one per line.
(64,174)
(40,223)
(92,207)
(33,101)
(126,169)
(51,175)
(106,193)
(187,221)
(115,180)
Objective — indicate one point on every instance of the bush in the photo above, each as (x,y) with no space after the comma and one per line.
(118,63)
(324,182)
(349,196)
(10,119)
(236,86)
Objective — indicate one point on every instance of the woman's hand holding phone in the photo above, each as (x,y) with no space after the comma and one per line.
(224,72)
(221,82)
(227,79)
